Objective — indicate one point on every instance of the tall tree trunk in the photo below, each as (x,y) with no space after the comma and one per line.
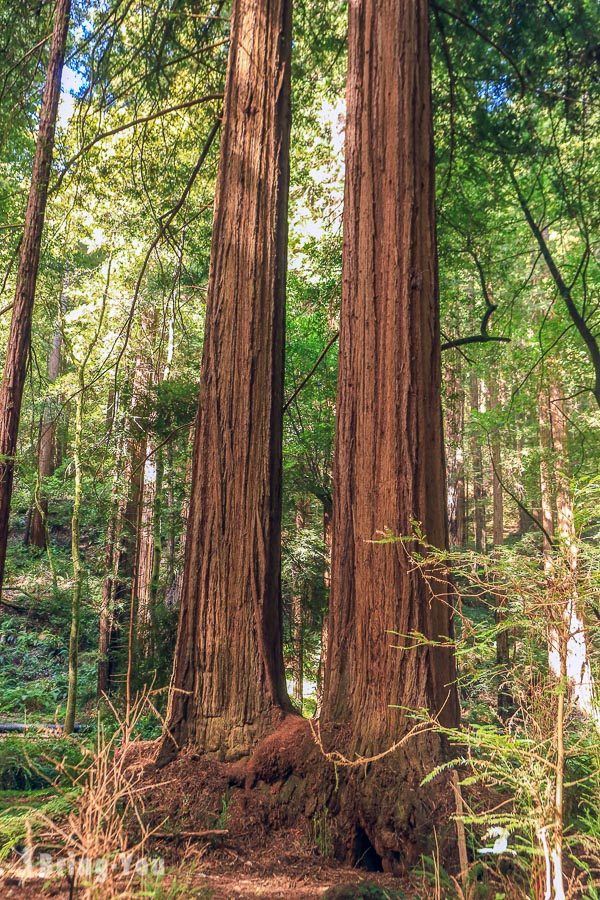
(479,498)
(78,571)
(36,535)
(454,435)
(19,339)
(229,674)
(389,460)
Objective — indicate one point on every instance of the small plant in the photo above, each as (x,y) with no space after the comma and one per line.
(99,825)
(321,836)
(222,820)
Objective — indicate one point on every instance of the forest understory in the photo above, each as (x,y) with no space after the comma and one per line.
(299,457)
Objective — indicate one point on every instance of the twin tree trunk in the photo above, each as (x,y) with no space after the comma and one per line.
(229,687)
(389,461)
(229,676)
(19,339)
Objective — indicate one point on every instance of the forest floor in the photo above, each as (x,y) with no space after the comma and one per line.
(283,869)
(219,842)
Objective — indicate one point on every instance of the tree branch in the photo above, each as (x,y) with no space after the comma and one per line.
(310,374)
(141,121)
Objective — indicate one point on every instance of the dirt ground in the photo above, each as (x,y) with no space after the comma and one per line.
(218,840)
(283,868)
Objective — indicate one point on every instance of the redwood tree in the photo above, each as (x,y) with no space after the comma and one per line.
(389,461)
(229,684)
(15,365)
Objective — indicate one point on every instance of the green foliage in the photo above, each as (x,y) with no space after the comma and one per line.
(320,833)
(29,763)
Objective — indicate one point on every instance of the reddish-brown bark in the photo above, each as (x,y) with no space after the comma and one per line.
(389,457)
(229,676)
(19,339)
(389,453)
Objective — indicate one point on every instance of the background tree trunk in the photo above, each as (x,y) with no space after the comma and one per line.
(455,463)
(389,460)
(36,534)
(302,510)
(119,604)
(479,498)
(576,663)
(327,540)
(502,635)
(19,339)
(229,652)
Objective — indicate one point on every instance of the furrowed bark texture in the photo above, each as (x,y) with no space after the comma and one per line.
(389,450)
(19,339)
(229,656)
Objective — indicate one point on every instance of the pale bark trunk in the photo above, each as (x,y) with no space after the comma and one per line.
(577,665)
(76,560)
(229,674)
(19,339)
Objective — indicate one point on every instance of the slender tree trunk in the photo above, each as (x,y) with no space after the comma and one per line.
(545,477)
(76,560)
(229,671)
(119,588)
(503,634)
(108,592)
(113,537)
(327,540)
(19,339)
(36,535)
(145,554)
(298,620)
(454,435)
(389,459)
(479,498)
(76,520)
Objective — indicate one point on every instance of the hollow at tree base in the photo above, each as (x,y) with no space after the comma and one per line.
(375,818)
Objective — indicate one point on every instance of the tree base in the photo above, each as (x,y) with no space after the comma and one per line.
(375,817)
